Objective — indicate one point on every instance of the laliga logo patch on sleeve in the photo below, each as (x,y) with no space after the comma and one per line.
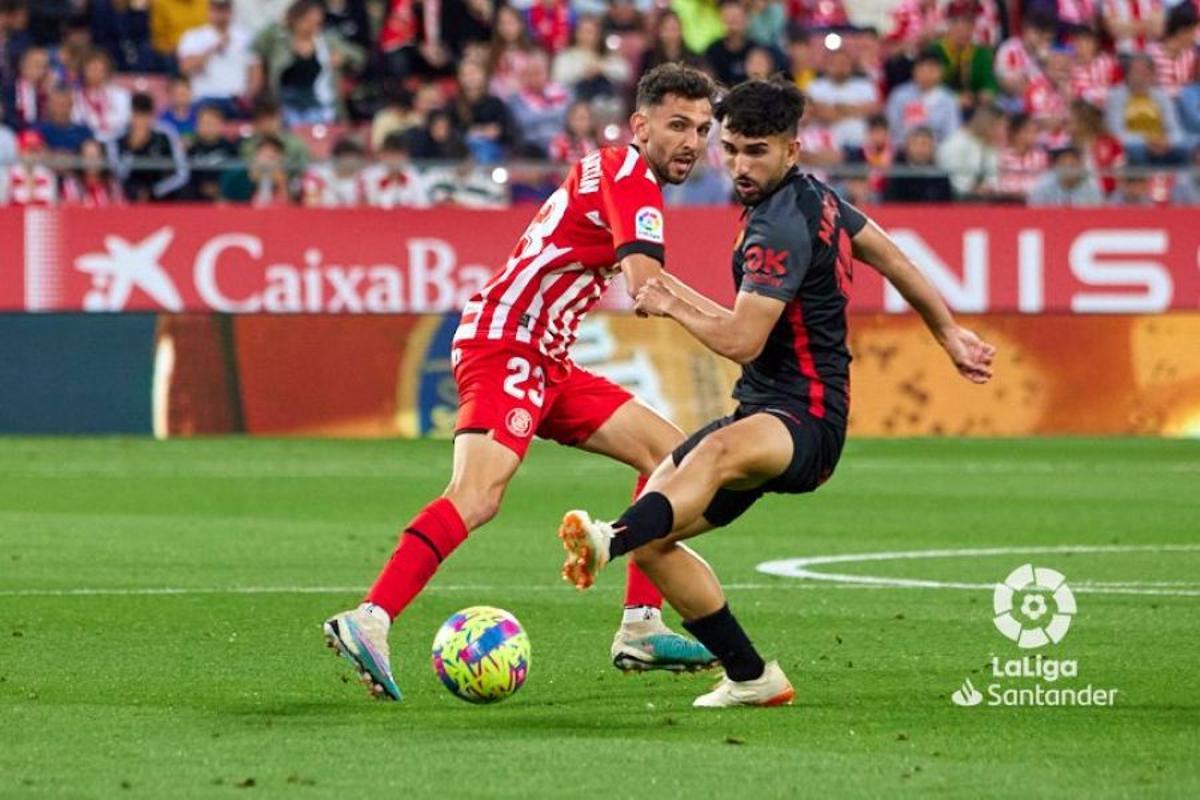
(648,224)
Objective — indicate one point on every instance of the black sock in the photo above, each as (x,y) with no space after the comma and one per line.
(721,634)
(650,518)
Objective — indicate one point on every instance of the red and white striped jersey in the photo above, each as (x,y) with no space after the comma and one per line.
(31,185)
(1174,72)
(1093,80)
(609,206)
(1013,60)
(1130,11)
(1077,12)
(1020,171)
(383,187)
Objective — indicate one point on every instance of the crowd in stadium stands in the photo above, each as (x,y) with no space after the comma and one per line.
(335,103)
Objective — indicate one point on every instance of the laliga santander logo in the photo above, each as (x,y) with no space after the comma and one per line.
(1028,624)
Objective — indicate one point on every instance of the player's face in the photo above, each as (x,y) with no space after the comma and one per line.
(757,163)
(673,135)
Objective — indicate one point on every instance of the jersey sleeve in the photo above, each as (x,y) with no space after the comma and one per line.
(853,220)
(633,205)
(775,256)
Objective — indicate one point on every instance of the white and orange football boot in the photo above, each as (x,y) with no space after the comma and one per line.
(772,688)
(586,543)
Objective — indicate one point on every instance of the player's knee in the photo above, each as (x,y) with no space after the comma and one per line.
(476,506)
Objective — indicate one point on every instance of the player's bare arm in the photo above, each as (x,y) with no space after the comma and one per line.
(738,335)
(971,355)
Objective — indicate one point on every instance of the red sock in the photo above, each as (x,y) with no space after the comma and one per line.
(427,541)
(640,590)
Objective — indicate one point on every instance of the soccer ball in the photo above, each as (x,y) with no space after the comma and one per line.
(481,654)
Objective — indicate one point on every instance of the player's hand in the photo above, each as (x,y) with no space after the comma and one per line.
(653,299)
(970,354)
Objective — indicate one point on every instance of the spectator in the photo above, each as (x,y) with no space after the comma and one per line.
(1189,111)
(920,181)
(766,22)
(915,24)
(263,182)
(1102,152)
(59,130)
(1093,71)
(437,139)
(877,153)
(180,112)
(210,154)
(667,45)
(29,181)
(1133,191)
(148,140)
(923,102)
(1187,184)
(405,112)
(818,14)
(578,139)
(1067,184)
(482,118)
(336,184)
(303,63)
(819,150)
(800,59)
(100,103)
(465,185)
(1022,161)
(970,156)
(14,37)
(587,67)
(1019,57)
(844,100)
(702,23)
(92,184)
(255,15)
(170,19)
(1133,24)
(511,48)
(267,119)
(759,64)
(1048,98)
(1175,56)
(966,66)
(47,18)
(539,109)
(8,147)
(217,56)
(392,182)
(622,17)
(550,23)
(25,99)
(122,29)
(1073,13)
(1143,117)
(726,57)
(350,20)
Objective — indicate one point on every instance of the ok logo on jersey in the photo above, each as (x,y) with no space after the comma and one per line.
(765,265)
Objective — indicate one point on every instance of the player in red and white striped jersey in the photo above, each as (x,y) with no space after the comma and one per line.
(516,379)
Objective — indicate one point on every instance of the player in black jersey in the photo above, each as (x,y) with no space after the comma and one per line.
(793,267)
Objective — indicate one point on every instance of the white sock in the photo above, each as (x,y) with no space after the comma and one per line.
(641,614)
(377,612)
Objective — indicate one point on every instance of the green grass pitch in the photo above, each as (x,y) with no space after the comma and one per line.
(222,688)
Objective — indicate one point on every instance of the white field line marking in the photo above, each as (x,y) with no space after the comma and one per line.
(799,568)
(169,591)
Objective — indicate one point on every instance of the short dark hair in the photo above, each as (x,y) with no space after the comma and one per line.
(270,140)
(395,142)
(142,103)
(762,108)
(1040,20)
(1060,153)
(347,146)
(673,78)
(265,105)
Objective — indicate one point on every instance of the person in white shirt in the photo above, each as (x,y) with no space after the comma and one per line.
(970,157)
(393,182)
(100,103)
(218,58)
(336,183)
(844,100)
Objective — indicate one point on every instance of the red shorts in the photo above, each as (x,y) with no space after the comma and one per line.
(514,392)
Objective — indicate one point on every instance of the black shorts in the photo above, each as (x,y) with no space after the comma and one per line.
(816,448)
